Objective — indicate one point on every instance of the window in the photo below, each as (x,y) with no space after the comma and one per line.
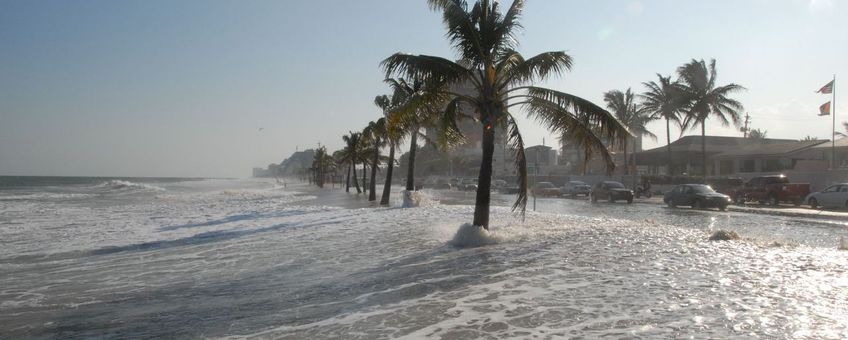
(725,167)
(746,166)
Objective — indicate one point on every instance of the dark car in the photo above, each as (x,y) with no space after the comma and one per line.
(545,189)
(697,196)
(611,191)
(574,188)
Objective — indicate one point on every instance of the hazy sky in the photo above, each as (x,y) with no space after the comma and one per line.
(182,88)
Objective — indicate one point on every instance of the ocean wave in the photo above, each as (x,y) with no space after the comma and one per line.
(122,185)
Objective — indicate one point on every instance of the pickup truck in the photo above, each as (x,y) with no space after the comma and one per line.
(772,190)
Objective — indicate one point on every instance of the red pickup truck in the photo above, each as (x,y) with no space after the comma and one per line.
(772,190)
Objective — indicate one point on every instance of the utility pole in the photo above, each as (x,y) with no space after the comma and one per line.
(745,129)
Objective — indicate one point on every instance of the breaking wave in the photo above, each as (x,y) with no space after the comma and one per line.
(122,185)
(470,236)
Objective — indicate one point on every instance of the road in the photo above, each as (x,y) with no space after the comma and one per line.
(784,225)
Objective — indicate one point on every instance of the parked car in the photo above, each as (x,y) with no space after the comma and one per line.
(545,189)
(726,185)
(834,196)
(697,196)
(611,191)
(468,184)
(574,188)
(498,184)
(442,184)
(773,190)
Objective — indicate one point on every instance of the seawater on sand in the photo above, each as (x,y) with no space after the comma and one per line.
(212,260)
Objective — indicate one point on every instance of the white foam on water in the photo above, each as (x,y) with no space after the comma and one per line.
(470,235)
(412,199)
(122,185)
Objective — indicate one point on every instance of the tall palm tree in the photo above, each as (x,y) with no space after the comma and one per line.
(502,79)
(392,139)
(322,164)
(413,108)
(351,154)
(630,113)
(664,100)
(375,132)
(705,99)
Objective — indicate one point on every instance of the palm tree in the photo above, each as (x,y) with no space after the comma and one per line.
(413,109)
(321,165)
(375,132)
(705,99)
(351,154)
(501,78)
(631,114)
(757,134)
(665,101)
(392,139)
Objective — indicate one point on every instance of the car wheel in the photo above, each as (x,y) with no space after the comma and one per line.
(630,200)
(773,201)
(814,203)
(697,205)
(671,204)
(722,207)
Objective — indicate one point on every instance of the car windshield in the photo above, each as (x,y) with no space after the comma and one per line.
(614,185)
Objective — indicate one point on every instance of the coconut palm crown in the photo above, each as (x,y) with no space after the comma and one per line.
(706,99)
(631,114)
(502,80)
(664,100)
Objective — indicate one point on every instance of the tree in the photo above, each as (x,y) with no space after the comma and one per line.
(392,139)
(321,164)
(705,99)
(375,133)
(809,138)
(502,80)
(630,113)
(351,154)
(664,100)
(757,134)
(414,109)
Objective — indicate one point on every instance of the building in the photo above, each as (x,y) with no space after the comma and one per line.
(777,157)
(686,154)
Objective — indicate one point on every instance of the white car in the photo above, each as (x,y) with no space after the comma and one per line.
(834,196)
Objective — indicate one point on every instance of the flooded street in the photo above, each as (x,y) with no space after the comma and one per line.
(248,259)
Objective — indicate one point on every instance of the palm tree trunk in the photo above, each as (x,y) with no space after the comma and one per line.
(410,171)
(668,145)
(355,181)
(347,181)
(364,173)
(372,186)
(387,189)
(704,149)
(484,180)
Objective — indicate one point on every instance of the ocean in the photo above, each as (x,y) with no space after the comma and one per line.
(251,258)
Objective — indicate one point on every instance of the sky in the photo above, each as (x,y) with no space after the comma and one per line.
(213,88)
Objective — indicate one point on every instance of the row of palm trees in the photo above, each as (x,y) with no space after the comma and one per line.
(501,82)
(686,101)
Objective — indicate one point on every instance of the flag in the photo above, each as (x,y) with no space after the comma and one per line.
(827,89)
(824,110)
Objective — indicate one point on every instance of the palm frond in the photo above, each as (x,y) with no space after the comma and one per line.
(537,68)
(430,69)
(516,143)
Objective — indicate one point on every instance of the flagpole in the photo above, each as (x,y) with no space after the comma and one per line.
(833,113)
